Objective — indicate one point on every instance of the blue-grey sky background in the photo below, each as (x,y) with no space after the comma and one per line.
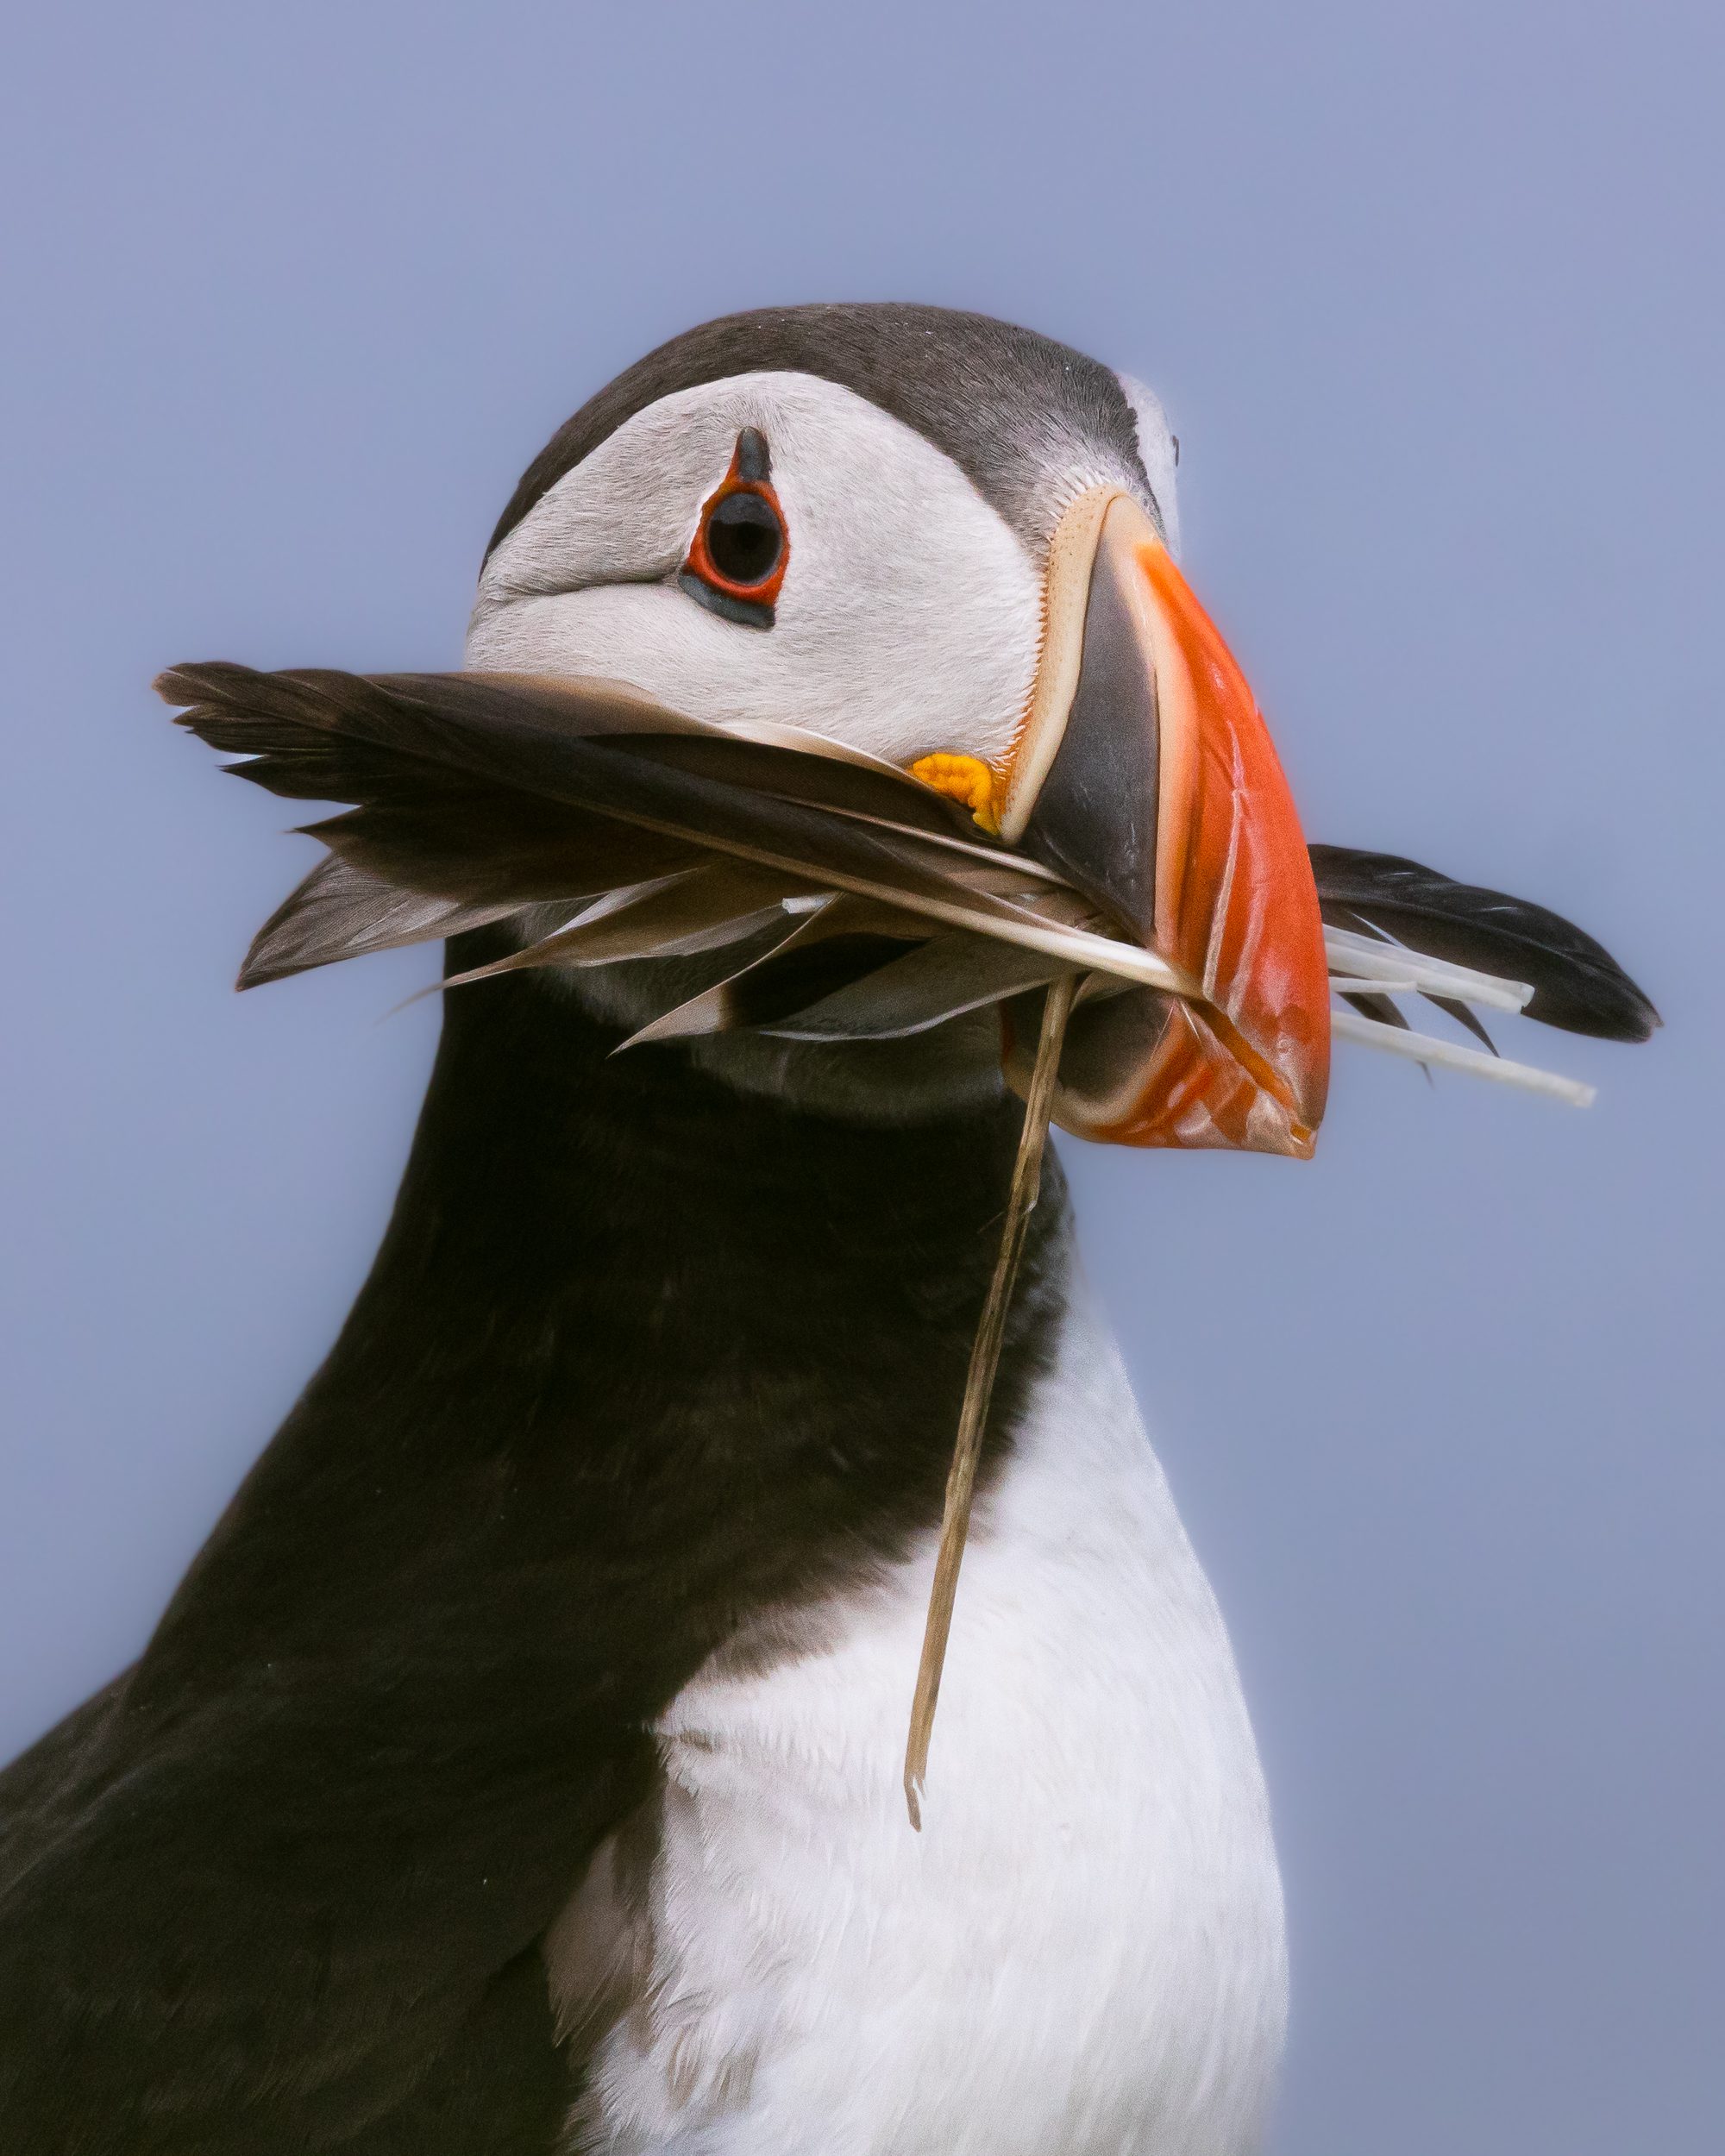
(1432,297)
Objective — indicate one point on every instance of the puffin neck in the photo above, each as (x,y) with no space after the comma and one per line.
(614,1273)
(544,1165)
(665,1358)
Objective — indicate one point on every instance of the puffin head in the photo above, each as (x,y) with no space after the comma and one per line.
(950,544)
(832,691)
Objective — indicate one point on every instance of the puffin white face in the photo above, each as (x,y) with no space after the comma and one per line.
(903,615)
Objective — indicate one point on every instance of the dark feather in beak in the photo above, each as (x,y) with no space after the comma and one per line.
(478,797)
(1577,985)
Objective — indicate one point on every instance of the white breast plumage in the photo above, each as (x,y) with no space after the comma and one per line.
(1081,1953)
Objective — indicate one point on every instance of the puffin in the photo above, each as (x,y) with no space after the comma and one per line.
(518,1769)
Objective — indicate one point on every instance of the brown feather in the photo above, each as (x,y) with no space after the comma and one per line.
(339,911)
(778,978)
(700,909)
(924,987)
(467,790)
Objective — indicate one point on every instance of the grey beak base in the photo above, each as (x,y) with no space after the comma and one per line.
(1094,818)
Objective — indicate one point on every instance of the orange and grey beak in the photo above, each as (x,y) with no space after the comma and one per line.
(1145,773)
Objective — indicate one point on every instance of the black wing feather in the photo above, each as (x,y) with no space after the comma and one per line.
(1577,984)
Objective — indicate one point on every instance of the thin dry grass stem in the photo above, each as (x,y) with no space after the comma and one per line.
(979,1386)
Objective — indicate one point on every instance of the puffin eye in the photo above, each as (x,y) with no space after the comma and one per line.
(736,559)
(745,538)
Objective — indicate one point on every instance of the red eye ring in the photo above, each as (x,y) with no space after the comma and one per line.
(736,559)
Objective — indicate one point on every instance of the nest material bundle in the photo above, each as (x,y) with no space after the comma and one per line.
(830,897)
(840,897)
